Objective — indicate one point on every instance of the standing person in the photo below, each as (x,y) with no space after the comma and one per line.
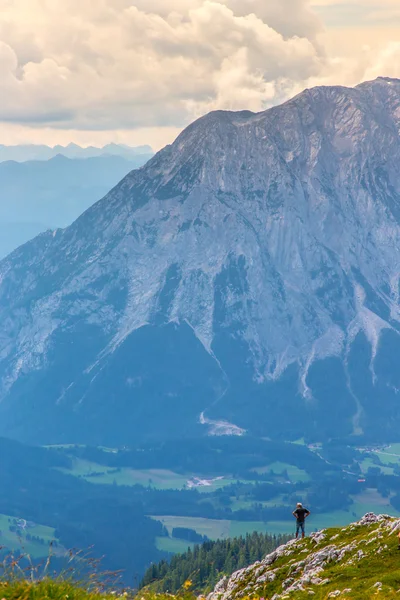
(301,514)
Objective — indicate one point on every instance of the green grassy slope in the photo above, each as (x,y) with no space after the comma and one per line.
(61,590)
(48,589)
(357,562)
(33,539)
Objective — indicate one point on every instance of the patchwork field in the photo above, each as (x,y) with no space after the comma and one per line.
(372,501)
(373,461)
(386,459)
(368,501)
(17,540)
(96,473)
(279,468)
(214,529)
(161,479)
(172,545)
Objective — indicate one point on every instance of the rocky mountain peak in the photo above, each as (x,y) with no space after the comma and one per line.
(263,249)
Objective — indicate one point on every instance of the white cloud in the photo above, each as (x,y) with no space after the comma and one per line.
(388,14)
(351,12)
(125,63)
(387,61)
(98,65)
(367,3)
(289,17)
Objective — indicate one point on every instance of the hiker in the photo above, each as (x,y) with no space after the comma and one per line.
(301,514)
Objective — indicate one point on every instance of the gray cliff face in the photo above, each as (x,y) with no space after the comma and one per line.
(251,266)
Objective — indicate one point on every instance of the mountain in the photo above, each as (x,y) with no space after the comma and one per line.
(246,279)
(358,561)
(28,152)
(40,195)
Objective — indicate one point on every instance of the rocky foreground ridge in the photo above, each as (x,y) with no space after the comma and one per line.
(359,561)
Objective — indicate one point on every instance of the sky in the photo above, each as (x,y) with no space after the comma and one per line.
(138,71)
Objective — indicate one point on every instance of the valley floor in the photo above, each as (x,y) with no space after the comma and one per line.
(179,493)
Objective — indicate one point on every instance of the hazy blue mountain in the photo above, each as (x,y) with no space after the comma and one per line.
(22,153)
(246,279)
(40,195)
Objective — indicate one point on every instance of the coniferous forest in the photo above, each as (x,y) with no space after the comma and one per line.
(204,566)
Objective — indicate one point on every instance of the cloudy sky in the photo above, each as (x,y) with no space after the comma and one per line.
(137,71)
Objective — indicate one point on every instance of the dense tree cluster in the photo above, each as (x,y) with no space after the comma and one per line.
(189,535)
(205,565)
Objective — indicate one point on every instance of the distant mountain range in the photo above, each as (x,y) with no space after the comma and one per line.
(22,153)
(48,194)
(246,279)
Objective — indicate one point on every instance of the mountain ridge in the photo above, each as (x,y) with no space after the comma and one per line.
(259,250)
(49,194)
(28,152)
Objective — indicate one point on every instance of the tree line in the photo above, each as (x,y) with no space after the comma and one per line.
(206,564)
